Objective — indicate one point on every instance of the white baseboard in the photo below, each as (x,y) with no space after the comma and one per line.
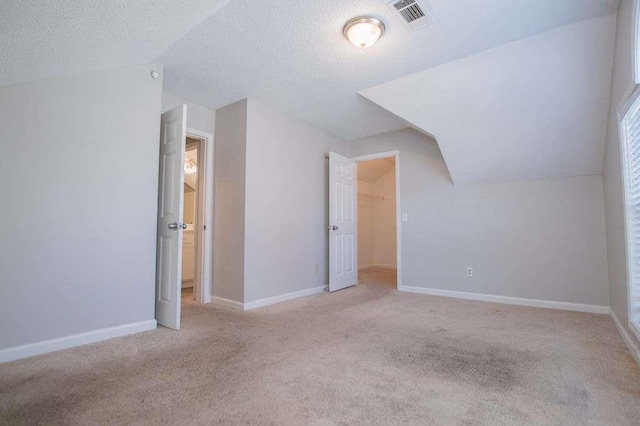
(567,306)
(39,348)
(628,340)
(239,306)
(227,303)
(282,298)
(377,266)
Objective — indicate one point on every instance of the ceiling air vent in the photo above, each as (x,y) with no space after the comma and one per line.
(412,13)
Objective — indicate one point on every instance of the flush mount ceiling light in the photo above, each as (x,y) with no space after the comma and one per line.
(363,31)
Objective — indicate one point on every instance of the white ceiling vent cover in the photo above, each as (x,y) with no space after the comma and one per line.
(413,13)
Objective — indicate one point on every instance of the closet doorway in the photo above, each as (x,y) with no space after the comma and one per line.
(378,209)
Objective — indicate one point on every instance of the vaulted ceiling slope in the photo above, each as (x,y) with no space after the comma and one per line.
(50,38)
(291,54)
(535,108)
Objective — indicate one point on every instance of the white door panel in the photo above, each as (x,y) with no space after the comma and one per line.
(173,135)
(343,226)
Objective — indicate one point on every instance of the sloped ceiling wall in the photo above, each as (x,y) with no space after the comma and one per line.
(534,108)
(530,109)
(291,54)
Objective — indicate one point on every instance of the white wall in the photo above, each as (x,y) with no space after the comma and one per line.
(286,203)
(621,86)
(384,229)
(87,140)
(541,239)
(229,208)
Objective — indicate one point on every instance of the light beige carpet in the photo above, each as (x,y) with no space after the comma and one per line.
(365,355)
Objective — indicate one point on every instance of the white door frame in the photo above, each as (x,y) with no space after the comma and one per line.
(204,216)
(396,156)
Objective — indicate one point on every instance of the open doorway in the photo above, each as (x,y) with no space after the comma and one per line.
(185,217)
(377,229)
(197,218)
(190,219)
(377,193)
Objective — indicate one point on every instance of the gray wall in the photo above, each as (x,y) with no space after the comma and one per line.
(621,86)
(229,209)
(78,235)
(541,239)
(271,203)
(287,204)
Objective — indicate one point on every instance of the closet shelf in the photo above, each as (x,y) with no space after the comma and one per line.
(365,196)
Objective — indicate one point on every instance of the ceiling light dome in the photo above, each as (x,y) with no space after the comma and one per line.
(363,31)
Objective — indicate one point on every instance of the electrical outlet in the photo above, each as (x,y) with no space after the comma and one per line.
(316,269)
(405,217)
(469,271)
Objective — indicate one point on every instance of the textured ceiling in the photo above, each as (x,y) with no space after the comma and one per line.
(371,171)
(291,54)
(534,108)
(523,114)
(50,38)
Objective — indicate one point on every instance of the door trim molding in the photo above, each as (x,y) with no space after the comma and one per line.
(25,351)
(396,155)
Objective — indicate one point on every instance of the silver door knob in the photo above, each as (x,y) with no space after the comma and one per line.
(177,225)
(333,228)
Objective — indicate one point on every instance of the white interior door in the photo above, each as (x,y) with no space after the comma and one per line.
(173,135)
(343,226)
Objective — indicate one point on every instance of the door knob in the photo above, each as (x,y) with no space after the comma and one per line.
(333,228)
(177,225)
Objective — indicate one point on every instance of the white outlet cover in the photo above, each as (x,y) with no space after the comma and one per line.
(405,217)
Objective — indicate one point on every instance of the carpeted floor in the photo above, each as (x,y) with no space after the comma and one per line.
(365,355)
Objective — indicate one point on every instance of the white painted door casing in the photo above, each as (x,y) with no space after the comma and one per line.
(343,225)
(173,134)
